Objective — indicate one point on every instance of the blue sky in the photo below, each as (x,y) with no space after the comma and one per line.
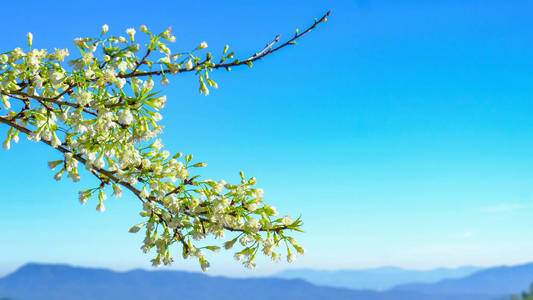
(401,131)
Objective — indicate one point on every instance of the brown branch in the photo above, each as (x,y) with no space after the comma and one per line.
(266,51)
(268,46)
(139,63)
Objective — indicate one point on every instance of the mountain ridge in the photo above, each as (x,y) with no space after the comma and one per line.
(497,280)
(63,282)
(381,278)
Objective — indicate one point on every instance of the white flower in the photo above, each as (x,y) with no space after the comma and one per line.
(123,66)
(5,101)
(238,256)
(164,49)
(291,258)
(157,144)
(75,178)
(253,223)
(174,69)
(82,196)
(205,265)
(131,33)
(84,98)
(249,265)
(117,191)
(79,42)
(88,58)
(167,259)
(245,239)
(105,28)
(253,206)
(99,163)
(188,65)
(159,102)
(156,263)
(80,128)
(120,82)
(100,207)
(56,142)
(275,257)
(68,156)
(93,47)
(6,145)
(144,193)
(259,194)
(274,211)
(60,54)
(55,77)
(125,117)
(89,73)
(143,28)
(148,85)
(157,117)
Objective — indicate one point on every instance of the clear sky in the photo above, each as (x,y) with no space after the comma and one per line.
(402,131)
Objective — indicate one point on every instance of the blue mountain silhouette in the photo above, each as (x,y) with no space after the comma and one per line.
(62,282)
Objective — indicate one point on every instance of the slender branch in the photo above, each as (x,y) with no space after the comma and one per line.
(266,51)
(268,46)
(139,63)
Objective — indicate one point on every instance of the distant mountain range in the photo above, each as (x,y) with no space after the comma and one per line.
(495,283)
(375,279)
(61,282)
(492,281)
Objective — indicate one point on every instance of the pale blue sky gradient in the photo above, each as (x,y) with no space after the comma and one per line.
(401,131)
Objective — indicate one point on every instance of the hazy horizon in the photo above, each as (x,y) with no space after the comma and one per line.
(253,273)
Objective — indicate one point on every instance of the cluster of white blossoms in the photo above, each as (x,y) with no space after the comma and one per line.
(101,111)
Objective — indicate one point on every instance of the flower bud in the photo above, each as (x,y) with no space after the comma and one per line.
(136,228)
(30,38)
(229,244)
(202,45)
(131,33)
